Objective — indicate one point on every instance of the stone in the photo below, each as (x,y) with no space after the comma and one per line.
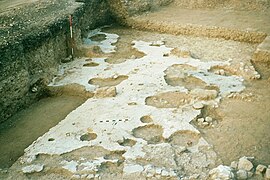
(221,172)
(209,119)
(164,173)
(200,120)
(221,72)
(90,176)
(245,164)
(76,176)
(234,164)
(260,169)
(198,105)
(157,43)
(267,173)
(32,168)
(132,168)
(250,174)
(242,174)
(205,123)
(105,92)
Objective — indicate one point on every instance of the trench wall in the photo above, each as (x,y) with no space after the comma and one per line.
(122,9)
(229,4)
(34,46)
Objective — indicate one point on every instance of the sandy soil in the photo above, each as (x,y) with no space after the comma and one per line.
(243,125)
(6,5)
(242,20)
(26,126)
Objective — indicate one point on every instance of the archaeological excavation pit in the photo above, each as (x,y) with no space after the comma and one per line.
(111,89)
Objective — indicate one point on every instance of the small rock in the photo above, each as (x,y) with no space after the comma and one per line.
(84,176)
(32,168)
(200,120)
(250,174)
(133,57)
(90,176)
(221,172)
(245,164)
(221,72)
(198,105)
(205,123)
(158,171)
(34,89)
(208,119)
(76,176)
(242,174)
(130,168)
(260,169)
(234,165)
(164,173)
(157,43)
(267,173)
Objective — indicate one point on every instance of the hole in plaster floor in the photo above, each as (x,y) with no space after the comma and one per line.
(112,81)
(127,142)
(168,100)
(91,64)
(146,119)
(184,138)
(98,37)
(177,75)
(88,137)
(150,133)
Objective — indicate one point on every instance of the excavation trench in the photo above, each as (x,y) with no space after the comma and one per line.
(128,93)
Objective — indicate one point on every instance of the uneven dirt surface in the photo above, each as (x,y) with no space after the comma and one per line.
(244,119)
(26,126)
(150,106)
(158,105)
(20,19)
(228,18)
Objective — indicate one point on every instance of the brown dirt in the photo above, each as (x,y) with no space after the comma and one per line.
(242,125)
(26,126)
(243,129)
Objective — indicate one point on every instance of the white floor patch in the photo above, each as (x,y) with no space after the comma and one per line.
(114,119)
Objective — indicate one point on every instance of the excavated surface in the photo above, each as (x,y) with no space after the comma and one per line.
(124,135)
(227,18)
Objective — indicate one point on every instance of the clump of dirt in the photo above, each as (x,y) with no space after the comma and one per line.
(151,133)
(168,100)
(184,138)
(104,82)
